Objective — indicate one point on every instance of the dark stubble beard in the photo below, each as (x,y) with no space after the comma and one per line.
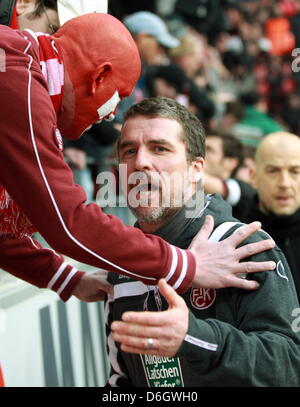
(156,216)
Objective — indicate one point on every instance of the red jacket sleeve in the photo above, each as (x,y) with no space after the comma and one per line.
(33,171)
(25,258)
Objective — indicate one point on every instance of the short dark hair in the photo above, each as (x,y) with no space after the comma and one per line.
(236,109)
(232,147)
(193,134)
(41,5)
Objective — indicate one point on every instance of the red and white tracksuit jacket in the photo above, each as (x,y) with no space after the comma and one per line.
(37,192)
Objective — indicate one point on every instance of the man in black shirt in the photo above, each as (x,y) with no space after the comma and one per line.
(277,204)
(203,337)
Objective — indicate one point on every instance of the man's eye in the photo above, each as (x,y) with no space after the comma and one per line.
(160,149)
(272,170)
(129,152)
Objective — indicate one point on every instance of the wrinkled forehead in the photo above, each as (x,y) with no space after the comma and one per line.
(282,157)
(142,130)
(150,127)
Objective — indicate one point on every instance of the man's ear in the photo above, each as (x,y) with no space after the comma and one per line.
(25,6)
(253,177)
(197,167)
(101,72)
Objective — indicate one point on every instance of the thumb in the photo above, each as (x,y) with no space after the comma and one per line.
(170,295)
(206,230)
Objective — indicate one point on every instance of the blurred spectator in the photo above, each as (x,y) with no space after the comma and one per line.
(188,55)
(255,121)
(245,170)
(153,40)
(241,80)
(295,22)
(233,114)
(223,155)
(277,204)
(151,36)
(88,155)
(238,53)
(223,158)
(121,8)
(291,113)
(207,17)
(170,81)
(45,15)
(278,31)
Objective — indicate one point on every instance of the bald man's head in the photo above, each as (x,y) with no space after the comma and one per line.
(280,142)
(277,175)
(101,64)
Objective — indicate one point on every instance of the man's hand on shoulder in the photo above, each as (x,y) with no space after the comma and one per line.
(218,263)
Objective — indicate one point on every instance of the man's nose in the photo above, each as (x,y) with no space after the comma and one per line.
(143,160)
(285,179)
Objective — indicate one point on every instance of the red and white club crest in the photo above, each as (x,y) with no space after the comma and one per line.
(202,298)
(58,139)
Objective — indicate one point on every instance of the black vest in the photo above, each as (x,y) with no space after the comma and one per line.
(6,11)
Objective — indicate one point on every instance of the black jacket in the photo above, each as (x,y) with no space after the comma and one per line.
(235,337)
(6,11)
(285,230)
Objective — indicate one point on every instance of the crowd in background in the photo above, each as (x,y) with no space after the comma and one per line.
(235,64)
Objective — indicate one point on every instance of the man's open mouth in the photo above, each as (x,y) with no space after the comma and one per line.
(150,187)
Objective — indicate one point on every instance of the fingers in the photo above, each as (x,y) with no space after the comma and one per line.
(100,296)
(242,283)
(251,249)
(146,318)
(123,331)
(244,232)
(108,288)
(101,282)
(132,342)
(141,347)
(169,294)
(134,338)
(238,280)
(206,229)
(254,267)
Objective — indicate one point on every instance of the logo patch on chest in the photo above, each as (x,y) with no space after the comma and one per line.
(202,298)
(58,139)
(162,371)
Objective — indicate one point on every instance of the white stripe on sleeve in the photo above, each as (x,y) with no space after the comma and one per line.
(57,275)
(174,263)
(67,280)
(201,344)
(183,271)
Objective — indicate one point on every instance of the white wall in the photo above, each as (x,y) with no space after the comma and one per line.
(44,342)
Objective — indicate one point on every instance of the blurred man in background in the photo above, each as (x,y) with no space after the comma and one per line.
(224,157)
(277,204)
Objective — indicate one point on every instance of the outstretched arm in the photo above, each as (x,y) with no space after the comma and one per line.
(25,258)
